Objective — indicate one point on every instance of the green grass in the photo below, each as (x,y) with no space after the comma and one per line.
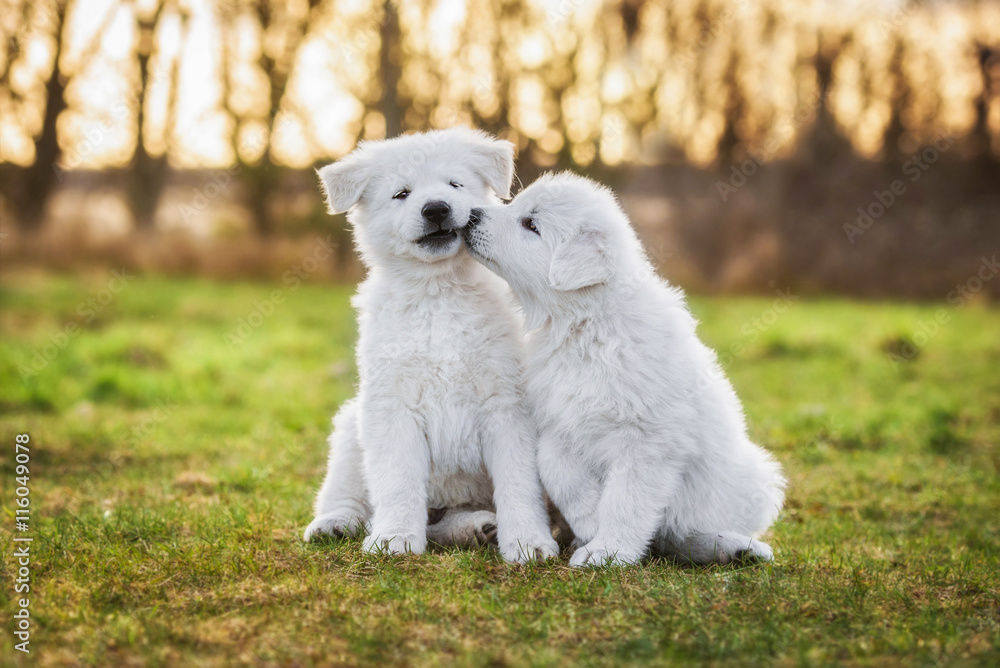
(172,474)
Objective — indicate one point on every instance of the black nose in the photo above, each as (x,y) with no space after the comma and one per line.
(475,216)
(436,212)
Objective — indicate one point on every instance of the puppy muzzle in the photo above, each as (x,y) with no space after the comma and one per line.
(441,226)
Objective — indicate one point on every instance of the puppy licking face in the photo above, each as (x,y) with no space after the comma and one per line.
(642,439)
(409,196)
(562,234)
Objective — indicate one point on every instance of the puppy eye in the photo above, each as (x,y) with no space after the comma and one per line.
(529,224)
(402,194)
(454,184)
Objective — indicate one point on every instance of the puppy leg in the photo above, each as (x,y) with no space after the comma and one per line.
(523,532)
(574,489)
(342,503)
(636,490)
(464,528)
(721,547)
(396,469)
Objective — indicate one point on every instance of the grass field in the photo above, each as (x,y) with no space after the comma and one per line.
(174,454)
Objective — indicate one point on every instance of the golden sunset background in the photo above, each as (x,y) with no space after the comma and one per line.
(743,136)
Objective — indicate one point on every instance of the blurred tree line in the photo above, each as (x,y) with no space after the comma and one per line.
(144,89)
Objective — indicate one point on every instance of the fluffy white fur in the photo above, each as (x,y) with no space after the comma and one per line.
(643,442)
(440,420)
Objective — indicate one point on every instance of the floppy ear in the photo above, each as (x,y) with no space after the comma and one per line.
(579,262)
(343,182)
(493,159)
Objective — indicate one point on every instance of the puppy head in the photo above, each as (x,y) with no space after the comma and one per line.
(562,235)
(408,196)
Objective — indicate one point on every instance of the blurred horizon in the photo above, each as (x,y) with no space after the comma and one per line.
(747,136)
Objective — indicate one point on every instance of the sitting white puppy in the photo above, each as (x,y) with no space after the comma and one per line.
(440,420)
(643,442)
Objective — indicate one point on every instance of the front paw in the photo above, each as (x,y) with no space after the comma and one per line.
(523,550)
(483,528)
(755,550)
(591,555)
(389,543)
(335,525)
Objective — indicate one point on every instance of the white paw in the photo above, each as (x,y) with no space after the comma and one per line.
(481,529)
(333,524)
(733,547)
(523,550)
(595,556)
(484,528)
(464,528)
(387,543)
(755,550)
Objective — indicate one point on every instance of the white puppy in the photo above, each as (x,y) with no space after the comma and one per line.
(643,442)
(440,420)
